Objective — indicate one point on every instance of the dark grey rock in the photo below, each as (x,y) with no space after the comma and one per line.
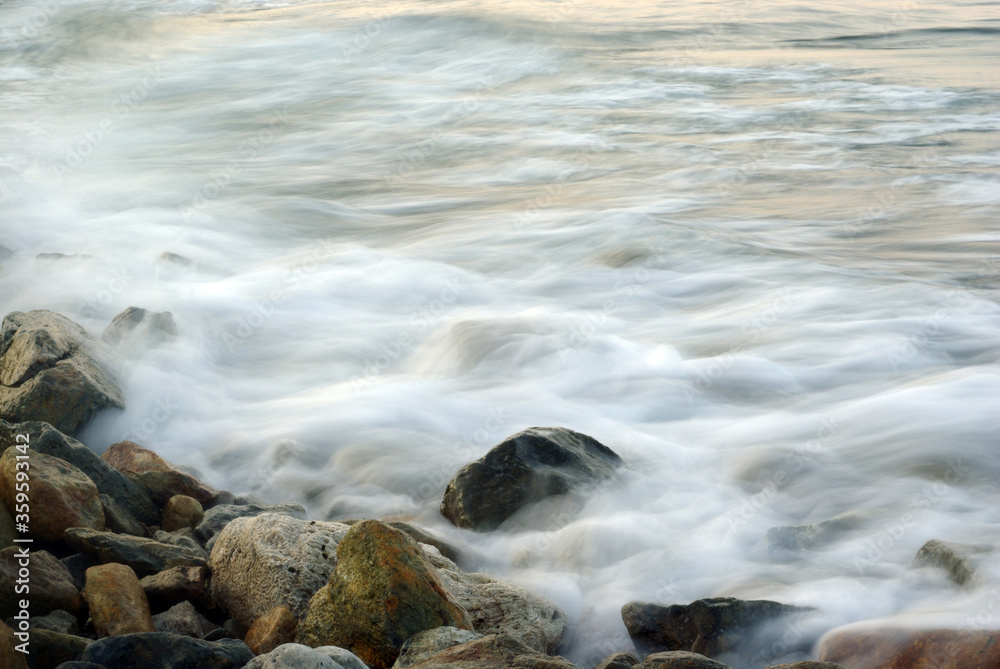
(529,466)
(175,585)
(44,438)
(182,539)
(77,566)
(794,538)
(219,516)
(183,619)
(60,621)
(145,556)
(50,649)
(167,651)
(80,665)
(118,519)
(52,586)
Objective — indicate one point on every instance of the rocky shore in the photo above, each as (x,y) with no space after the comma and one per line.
(133,562)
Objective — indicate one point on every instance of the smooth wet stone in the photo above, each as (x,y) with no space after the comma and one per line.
(116,601)
(162,479)
(167,651)
(263,561)
(52,370)
(46,439)
(52,585)
(865,647)
(145,556)
(273,629)
(527,467)
(181,511)
(61,496)
(383,590)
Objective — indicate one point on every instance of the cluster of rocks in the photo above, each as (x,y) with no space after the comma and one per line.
(138,563)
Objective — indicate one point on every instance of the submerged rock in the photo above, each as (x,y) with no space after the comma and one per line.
(136,327)
(51,370)
(860,647)
(789,538)
(383,590)
(707,626)
(955,559)
(527,467)
(145,556)
(270,560)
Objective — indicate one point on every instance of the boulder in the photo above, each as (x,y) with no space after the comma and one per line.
(420,536)
(52,586)
(183,619)
(51,370)
(61,496)
(46,439)
(260,562)
(116,600)
(297,656)
(495,651)
(382,591)
(679,659)
(219,516)
(527,467)
(181,511)
(145,556)
(274,628)
(865,647)
(424,645)
(498,607)
(7,532)
(138,327)
(10,657)
(161,479)
(957,560)
(167,651)
(50,649)
(60,621)
(118,519)
(618,661)
(707,626)
(175,585)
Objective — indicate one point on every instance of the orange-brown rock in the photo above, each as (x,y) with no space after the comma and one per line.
(61,496)
(10,657)
(860,647)
(161,478)
(116,600)
(271,630)
(181,511)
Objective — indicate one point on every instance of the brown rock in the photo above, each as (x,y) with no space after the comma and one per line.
(495,651)
(7,533)
(381,592)
(51,583)
(117,603)
(618,661)
(807,664)
(679,659)
(957,560)
(272,630)
(161,478)
(61,495)
(10,657)
(51,370)
(860,647)
(181,511)
(176,585)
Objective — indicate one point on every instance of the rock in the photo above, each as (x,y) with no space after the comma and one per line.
(863,647)
(955,559)
(77,565)
(183,538)
(118,519)
(176,585)
(136,327)
(273,629)
(260,562)
(297,656)
(51,584)
(498,607)
(707,626)
(61,495)
(382,591)
(183,619)
(424,645)
(679,659)
(782,540)
(219,516)
(527,467)
(618,661)
(46,439)
(181,511)
(495,651)
(10,657)
(116,600)
(167,651)
(7,533)
(807,664)
(60,621)
(51,370)
(161,478)
(420,536)
(145,556)
(50,649)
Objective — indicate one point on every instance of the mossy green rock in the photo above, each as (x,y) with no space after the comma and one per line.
(382,591)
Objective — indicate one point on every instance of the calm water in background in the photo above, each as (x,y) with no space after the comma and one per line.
(751,246)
